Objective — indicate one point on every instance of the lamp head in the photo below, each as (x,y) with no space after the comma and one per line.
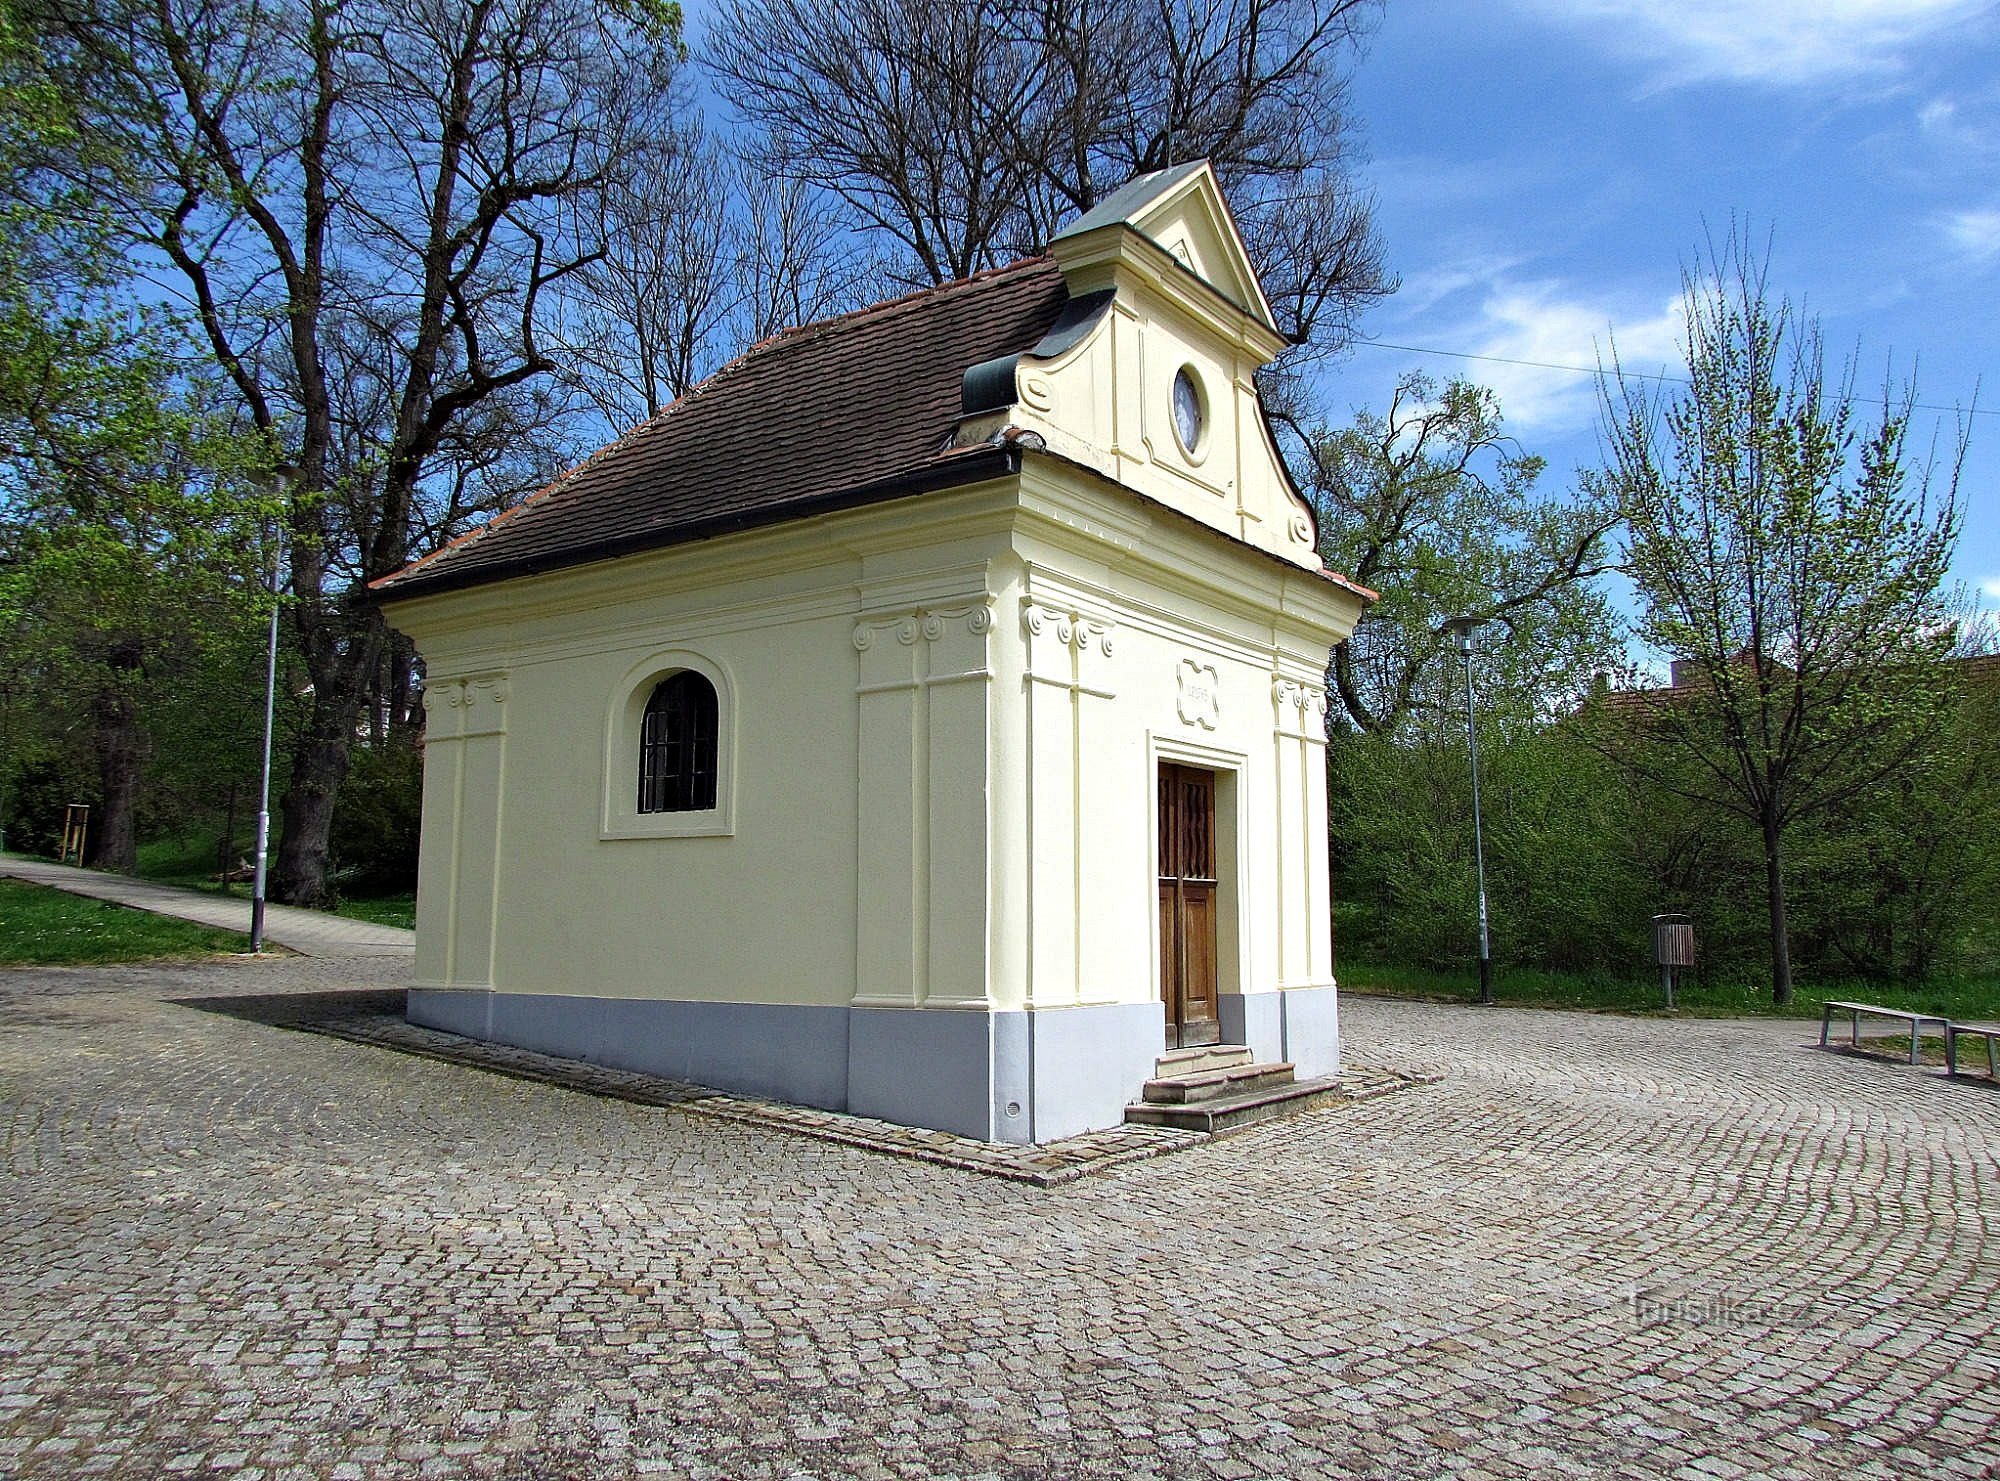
(1462,630)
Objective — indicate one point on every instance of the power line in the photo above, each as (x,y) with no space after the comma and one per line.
(1640,375)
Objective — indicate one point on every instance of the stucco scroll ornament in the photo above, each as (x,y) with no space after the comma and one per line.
(473,705)
(924,623)
(1072,629)
(1200,697)
(904,627)
(1306,699)
(978,618)
(485,686)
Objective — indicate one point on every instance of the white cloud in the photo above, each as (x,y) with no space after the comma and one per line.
(1536,338)
(1974,234)
(1991,586)
(1427,287)
(1962,129)
(1782,42)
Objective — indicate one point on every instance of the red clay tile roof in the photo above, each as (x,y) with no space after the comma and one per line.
(835,413)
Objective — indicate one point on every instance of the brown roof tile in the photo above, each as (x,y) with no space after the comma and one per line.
(841,411)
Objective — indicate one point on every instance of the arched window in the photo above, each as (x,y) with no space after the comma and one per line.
(677,746)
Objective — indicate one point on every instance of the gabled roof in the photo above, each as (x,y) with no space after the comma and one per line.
(1179,210)
(1131,200)
(839,413)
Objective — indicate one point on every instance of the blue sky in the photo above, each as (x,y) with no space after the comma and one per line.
(1545,166)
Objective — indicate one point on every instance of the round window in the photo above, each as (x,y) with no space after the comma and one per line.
(1188,410)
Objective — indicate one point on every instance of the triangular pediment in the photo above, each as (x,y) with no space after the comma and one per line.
(1180,210)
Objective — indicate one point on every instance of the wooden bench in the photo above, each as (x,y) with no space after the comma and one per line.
(1990,1032)
(1916,1021)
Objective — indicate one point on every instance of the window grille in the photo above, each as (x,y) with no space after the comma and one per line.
(677,746)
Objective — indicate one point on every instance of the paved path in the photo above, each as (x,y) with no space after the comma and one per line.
(1602,1247)
(308,932)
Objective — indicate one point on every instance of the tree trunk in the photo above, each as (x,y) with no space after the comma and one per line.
(341,655)
(404,718)
(302,873)
(1781,939)
(114,841)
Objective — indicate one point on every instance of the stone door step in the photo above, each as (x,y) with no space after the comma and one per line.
(1234,1112)
(1202,1085)
(1177,1062)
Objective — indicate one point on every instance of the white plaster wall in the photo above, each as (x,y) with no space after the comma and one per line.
(1123,668)
(849,860)
(715,917)
(942,728)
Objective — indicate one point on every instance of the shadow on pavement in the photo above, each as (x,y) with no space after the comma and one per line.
(300,1009)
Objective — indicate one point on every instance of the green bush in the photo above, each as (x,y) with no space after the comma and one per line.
(375,820)
(41,794)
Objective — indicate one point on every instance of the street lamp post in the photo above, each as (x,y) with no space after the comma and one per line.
(1463,629)
(264,796)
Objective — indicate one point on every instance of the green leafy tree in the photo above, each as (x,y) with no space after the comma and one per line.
(127,538)
(1434,506)
(1897,884)
(370,208)
(1788,556)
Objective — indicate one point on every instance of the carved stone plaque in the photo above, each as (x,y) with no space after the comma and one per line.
(1200,697)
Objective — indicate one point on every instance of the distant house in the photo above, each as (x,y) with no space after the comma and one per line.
(1980,672)
(923,717)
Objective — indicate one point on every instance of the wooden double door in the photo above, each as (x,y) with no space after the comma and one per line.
(1188,904)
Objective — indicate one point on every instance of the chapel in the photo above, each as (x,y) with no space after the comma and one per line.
(923,718)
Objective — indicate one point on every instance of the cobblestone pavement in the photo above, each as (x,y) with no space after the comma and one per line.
(377,1018)
(1600,1247)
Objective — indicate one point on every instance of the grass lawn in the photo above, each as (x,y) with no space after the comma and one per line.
(388,910)
(1965,998)
(189,861)
(43,927)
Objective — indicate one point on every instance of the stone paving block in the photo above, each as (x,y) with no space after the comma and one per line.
(1599,1247)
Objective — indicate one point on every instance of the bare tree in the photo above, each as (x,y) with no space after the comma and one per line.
(642,323)
(792,260)
(967,131)
(390,186)
(904,110)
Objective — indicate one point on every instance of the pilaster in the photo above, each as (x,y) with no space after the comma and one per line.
(1305,936)
(924,692)
(465,752)
(1069,684)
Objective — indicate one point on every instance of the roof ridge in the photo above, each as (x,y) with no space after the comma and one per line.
(904,300)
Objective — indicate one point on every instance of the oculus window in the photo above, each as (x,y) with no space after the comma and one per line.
(1189,413)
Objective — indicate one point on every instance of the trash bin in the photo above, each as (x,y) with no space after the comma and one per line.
(1673,949)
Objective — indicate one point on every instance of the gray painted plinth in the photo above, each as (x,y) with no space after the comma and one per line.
(790,1053)
(1019,1077)
(1300,1024)
(1087,1065)
(1312,1030)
